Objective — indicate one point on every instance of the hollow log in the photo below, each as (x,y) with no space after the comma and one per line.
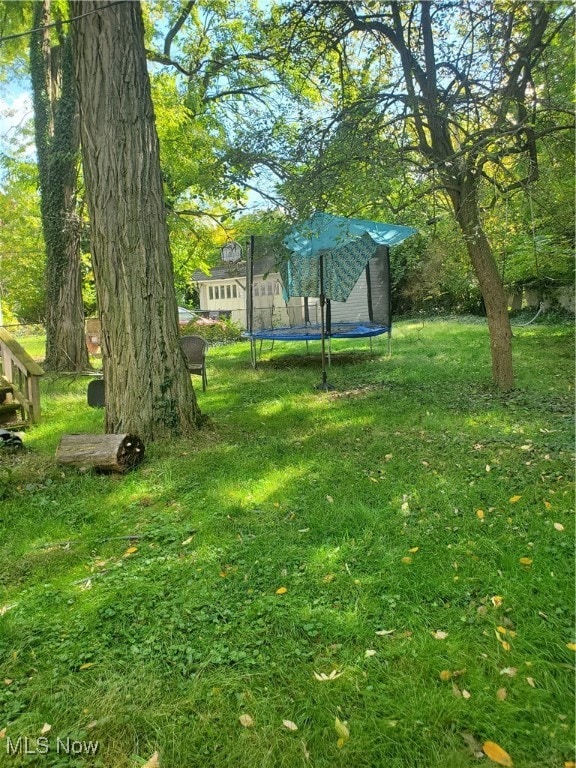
(107,453)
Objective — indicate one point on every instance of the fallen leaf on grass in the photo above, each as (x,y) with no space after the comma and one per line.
(154,761)
(87,665)
(3,733)
(570,764)
(130,551)
(526,560)
(496,753)
(509,671)
(480,514)
(558,526)
(531,682)
(329,499)
(501,694)
(281,591)
(571,646)
(289,725)
(440,634)
(514,499)
(496,601)
(445,675)
(343,732)
(187,541)
(502,642)
(473,745)
(466,694)
(406,560)
(414,549)
(369,652)
(384,632)
(8,681)
(46,728)
(323,677)
(246,721)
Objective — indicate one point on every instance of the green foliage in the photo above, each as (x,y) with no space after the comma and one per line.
(22,254)
(222,332)
(432,273)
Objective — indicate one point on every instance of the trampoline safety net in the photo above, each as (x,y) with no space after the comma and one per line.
(369,303)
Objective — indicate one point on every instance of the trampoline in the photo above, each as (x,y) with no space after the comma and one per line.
(342,263)
(314,332)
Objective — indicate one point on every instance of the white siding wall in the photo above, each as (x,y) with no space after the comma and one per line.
(270,309)
(355,308)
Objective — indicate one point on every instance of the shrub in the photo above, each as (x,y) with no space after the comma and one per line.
(219,332)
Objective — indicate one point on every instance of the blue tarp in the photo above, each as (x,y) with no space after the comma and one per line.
(346,246)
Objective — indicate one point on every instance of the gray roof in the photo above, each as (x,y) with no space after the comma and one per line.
(223,271)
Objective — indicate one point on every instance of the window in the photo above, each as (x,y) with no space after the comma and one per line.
(216,292)
(234,292)
(270,288)
(210,293)
(228,292)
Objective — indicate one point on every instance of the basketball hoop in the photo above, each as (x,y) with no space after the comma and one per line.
(231,252)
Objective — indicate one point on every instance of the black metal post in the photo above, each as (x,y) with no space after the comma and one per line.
(250,299)
(324,383)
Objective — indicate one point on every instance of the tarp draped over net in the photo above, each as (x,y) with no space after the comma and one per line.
(328,254)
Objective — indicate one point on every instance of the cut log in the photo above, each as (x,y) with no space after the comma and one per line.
(107,453)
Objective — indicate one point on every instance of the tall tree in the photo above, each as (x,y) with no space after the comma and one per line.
(459,97)
(148,390)
(56,132)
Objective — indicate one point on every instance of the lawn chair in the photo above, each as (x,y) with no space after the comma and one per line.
(194,349)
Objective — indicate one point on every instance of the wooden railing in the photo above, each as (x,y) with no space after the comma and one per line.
(20,374)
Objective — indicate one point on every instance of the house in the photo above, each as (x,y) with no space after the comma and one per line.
(223,291)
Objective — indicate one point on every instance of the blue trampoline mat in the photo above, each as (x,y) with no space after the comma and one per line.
(313,332)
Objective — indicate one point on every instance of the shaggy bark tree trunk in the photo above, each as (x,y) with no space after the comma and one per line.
(148,389)
(465,204)
(57,145)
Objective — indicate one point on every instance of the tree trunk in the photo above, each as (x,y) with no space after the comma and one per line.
(465,204)
(148,389)
(56,131)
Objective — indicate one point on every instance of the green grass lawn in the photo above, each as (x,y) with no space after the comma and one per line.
(388,567)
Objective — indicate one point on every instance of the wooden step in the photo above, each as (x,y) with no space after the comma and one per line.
(10,413)
(5,393)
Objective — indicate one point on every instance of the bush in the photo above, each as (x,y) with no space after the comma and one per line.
(218,332)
